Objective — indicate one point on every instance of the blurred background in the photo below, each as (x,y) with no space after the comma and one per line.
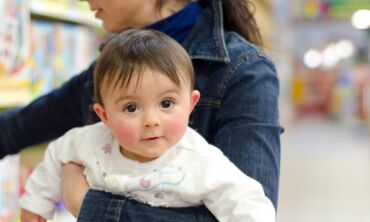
(321,52)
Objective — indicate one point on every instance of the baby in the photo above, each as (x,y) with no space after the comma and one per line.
(143,148)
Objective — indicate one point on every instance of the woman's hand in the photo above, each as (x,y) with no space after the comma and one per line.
(74,187)
(27,216)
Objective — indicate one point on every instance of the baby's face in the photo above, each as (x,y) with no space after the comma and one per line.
(149,116)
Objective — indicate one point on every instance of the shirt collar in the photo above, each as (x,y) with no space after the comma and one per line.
(179,24)
(206,39)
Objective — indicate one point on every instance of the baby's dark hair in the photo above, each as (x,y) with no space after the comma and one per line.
(132,51)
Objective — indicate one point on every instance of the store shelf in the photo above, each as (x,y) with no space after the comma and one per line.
(64,13)
(14,98)
(14,92)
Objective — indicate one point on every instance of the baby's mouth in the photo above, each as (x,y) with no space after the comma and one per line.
(152,138)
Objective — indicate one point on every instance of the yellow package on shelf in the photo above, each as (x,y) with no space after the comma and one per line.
(78,12)
(14,92)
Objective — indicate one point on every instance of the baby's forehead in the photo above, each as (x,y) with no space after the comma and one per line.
(147,80)
(180,79)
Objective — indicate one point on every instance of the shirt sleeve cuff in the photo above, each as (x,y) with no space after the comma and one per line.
(38,206)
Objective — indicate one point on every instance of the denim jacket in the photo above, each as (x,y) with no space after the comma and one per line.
(237,112)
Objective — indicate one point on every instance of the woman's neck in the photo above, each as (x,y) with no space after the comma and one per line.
(170,8)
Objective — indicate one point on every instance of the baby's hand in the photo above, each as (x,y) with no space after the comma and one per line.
(27,216)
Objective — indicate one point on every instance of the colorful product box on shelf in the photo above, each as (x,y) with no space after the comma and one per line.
(14,49)
(39,57)
(332,9)
(59,51)
(14,53)
(9,189)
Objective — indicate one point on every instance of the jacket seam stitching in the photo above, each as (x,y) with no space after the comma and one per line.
(118,211)
(231,71)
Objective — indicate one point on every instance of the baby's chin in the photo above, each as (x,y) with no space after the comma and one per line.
(149,157)
(153,155)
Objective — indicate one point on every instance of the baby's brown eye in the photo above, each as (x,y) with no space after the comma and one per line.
(131,108)
(166,103)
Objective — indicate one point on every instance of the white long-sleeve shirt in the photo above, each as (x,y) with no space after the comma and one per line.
(190,173)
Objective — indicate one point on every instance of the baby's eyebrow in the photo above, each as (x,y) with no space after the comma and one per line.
(124,97)
(174,90)
(133,97)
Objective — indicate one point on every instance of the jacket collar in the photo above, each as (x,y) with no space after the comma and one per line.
(206,39)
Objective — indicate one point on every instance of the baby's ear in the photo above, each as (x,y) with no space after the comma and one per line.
(195,96)
(100,111)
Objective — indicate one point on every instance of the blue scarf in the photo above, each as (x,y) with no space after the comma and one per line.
(179,24)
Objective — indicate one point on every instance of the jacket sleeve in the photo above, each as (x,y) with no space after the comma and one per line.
(247,125)
(43,187)
(47,117)
(125,209)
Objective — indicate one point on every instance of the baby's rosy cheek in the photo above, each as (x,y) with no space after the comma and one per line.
(177,125)
(125,132)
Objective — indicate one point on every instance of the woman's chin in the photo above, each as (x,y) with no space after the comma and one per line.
(112,28)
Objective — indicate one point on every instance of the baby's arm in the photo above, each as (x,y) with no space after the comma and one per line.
(43,187)
(232,196)
(27,216)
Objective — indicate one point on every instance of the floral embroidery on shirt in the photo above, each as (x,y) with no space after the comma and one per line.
(145,183)
(168,176)
(157,188)
(107,148)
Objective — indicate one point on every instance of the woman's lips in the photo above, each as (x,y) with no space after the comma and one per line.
(97,12)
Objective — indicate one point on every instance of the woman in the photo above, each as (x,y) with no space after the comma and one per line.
(238,109)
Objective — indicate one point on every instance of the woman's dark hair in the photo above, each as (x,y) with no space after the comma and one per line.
(238,17)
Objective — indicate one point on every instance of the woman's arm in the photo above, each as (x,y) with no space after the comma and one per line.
(92,205)
(100,206)
(247,123)
(47,117)
(74,187)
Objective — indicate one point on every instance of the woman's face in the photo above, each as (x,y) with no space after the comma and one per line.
(118,15)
